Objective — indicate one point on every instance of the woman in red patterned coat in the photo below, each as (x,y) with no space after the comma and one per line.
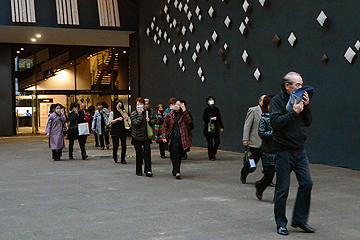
(179,136)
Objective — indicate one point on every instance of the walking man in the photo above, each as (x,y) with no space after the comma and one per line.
(289,141)
(251,136)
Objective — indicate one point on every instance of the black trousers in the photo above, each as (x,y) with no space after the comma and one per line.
(176,154)
(82,141)
(56,154)
(256,152)
(96,139)
(141,147)
(268,171)
(116,141)
(162,148)
(104,135)
(285,162)
(213,146)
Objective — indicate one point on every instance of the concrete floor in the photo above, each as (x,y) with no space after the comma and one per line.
(98,199)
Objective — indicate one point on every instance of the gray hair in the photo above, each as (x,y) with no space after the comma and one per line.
(288,78)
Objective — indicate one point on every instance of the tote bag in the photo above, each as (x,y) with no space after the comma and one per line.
(83,129)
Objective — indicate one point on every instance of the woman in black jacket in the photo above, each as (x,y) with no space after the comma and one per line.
(118,132)
(267,148)
(211,116)
(140,138)
(75,117)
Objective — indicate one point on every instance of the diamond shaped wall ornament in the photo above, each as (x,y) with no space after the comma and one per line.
(174,22)
(158,42)
(198,47)
(181,63)
(221,53)
(242,28)
(189,15)
(174,48)
(154,19)
(180,6)
(321,18)
(183,68)
(203,79)
(166,9)
(325,58)
(200,17)
(211,11)
(177,31)
(207,45)
(357,45)
(292,39)
(262,2)
(276,40)
(191,27)
(245,6)
(152,25)
(245,56)
(176,3)
(157,29)
(183,30)
(170,25)
(160,33)
(148,31)
(197,10)
(186,8)
(350,54)
(226,63)
(257,74)
(165,35)
(214,36)
(169,40)
(187,45)
(225,46)
(168,18)
(180,47)
(227,21)
(246,20)
(200,72)
(168,1)
(194,57)
(155,38)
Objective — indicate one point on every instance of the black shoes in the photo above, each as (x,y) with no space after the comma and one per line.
(149,174)
(84,156)
(115,160)
(163,156)
(139,174)
(123,162)
(272,184)
(71,157)
(303,226)
(102,148)
(257,193)
(282,231)
(107,146)
(242,179)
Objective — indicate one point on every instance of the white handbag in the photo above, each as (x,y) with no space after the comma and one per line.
(83,129)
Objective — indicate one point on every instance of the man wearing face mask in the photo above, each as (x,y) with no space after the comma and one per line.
(251,136)
(212,127)
(150,113)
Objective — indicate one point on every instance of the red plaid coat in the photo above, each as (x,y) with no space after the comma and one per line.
(169,125)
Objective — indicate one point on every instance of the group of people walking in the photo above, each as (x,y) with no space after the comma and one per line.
(272,133)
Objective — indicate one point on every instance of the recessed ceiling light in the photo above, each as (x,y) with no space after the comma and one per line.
(33,39)
(22,49)
(116,54)
(124,52)
(38,35)
(17,51)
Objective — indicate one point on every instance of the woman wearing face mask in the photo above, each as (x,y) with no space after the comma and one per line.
(140,138)
(76,116)
(99,126)
(158,129)
(54,131)
(179,137)
(212,115)
(171,105)
(117,119)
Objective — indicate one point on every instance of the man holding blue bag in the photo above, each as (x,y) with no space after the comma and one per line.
(290,113)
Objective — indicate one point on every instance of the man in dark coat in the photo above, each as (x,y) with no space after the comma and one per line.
(289,140)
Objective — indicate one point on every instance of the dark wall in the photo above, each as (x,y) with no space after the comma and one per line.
(88,15)
(333,136)
(7,92)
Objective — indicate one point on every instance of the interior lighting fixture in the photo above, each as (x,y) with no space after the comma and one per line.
(116,54)
(124,52)
(22,49)
(17,51)
(38,35)
(33,39)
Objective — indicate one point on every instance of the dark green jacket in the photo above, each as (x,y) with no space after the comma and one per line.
(153,117)
(139,128)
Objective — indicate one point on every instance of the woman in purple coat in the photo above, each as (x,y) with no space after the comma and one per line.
(54,131)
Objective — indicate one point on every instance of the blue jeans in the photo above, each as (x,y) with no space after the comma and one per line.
(285,162)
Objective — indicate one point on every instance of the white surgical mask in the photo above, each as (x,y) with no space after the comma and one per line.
(211,102)
(58,110)
(140,107)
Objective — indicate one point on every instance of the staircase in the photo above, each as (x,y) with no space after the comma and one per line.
(105,70)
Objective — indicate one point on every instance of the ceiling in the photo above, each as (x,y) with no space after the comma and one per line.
(64,36)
